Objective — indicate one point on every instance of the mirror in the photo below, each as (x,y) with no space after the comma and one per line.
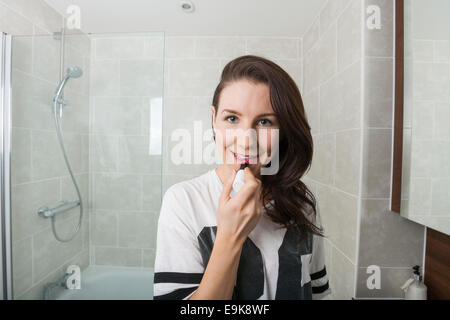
(425,167)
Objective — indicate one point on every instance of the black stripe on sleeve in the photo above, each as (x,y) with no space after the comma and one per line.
(177,277)
(316,290)
(178,294)
(318,274)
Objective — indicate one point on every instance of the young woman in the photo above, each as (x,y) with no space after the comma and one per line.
(265,241)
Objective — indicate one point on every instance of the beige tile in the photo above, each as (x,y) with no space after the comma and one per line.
(348,161)
(115,191)
(343,274)
(378,83)
(141,78)
(219,47)
(104,228)
(377,163)
(324,159)
(349,35)
(388,239)
(273,48)
(379,42)
(137,230)
(127,257)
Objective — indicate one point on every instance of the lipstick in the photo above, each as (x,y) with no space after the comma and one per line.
(239,179)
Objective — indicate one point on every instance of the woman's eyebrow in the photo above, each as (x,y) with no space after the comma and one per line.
(238,113)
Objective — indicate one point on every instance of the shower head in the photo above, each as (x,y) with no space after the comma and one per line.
(74,72)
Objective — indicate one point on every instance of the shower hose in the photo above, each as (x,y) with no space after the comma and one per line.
(58,132)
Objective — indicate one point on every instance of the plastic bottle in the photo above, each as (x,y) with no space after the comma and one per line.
(414,288)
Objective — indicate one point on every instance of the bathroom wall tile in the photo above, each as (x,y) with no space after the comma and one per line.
(22,262)
(343,274)
(442,114)
(127,47)
(20,155)
(104,228)
(377,163)
(38,12)
(311,105)
(141,78)
(30,98)
(378,99)
(324,159)
(423,120)
(420,197)
(390,282)
(104,153)
(46,156)
(37,291)
(388,239)
(422,50)
(440,197)
(219,47)
(339,215)
(421,158)
(330,13)
(127,257)
(327,55)
(193,77)
(137,230)
(381,40)
(21,48)
(431,81)
(105,77)
(349,35)
(273,48)
(152,194)
(311,70)
(154,46)
(311,37)
(117,115)
(26,200)
(81,259)
(46,58)
(442,51)
(440,165)
(340,102)
(133,156)
(148,256)
(79,42)
(13,23)
(76,113)
(115,191)
(179,47)
(49,253)
(348,159)
(293,68)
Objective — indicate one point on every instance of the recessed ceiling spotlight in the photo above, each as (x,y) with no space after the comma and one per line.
(187,6)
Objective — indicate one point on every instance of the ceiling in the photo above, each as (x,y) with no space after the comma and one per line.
(282,18)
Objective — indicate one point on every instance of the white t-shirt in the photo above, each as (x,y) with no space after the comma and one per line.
(271,265)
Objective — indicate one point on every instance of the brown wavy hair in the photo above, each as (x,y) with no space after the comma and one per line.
(293,202)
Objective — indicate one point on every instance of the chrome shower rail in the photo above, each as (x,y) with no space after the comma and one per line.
(46,212)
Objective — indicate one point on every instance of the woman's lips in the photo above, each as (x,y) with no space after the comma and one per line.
(245,159)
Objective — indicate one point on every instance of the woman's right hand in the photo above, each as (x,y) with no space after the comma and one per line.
(239,215)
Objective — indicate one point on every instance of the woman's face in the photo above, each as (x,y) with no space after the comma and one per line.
(245,124)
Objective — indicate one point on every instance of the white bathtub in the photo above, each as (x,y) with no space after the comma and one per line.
(111,283)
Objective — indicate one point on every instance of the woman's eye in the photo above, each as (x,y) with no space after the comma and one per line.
(265,122)
(231,118)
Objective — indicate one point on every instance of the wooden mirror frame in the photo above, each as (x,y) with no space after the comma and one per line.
(397,159)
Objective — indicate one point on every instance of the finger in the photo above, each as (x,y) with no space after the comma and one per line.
(248,175)
(227,187)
